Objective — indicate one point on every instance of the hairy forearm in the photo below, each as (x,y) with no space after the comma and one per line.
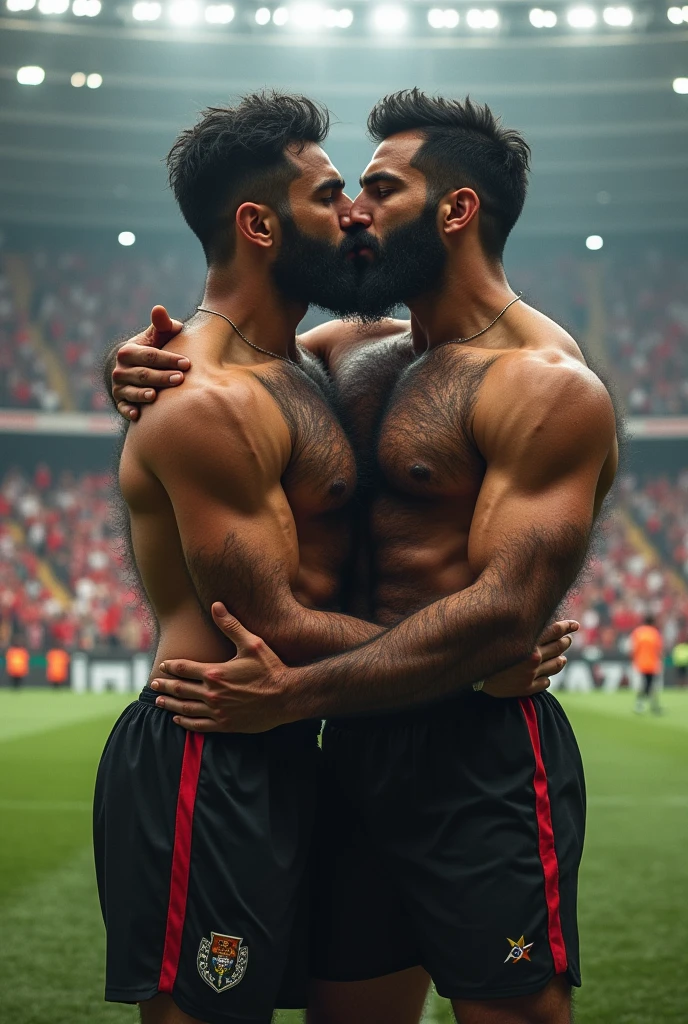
(446,646)
(301,635)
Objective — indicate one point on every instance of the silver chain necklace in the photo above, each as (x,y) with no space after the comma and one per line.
(460,341)
(265,351)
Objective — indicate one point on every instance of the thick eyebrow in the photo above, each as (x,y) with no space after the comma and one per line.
(370,179)
(330,183)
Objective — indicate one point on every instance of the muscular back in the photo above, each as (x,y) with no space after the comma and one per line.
(239,489)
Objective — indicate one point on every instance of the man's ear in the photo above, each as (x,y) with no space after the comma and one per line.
(457,210)
(258,224)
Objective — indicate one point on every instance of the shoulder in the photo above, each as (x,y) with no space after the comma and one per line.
(337,335)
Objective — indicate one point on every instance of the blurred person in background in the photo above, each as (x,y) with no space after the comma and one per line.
(57,667)
(17,665)
(646,651)
(679,658)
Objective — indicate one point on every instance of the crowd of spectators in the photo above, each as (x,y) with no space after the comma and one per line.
(81,300)
(70,525)
(64,580)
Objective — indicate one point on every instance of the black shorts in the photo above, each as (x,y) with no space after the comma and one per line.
(451,838)
(201,845)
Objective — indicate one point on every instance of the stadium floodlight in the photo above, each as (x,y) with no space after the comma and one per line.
(126,238)
(262,16)
(20,5)
(674,14)
(307,17)
(30,75)
(338,19)
(146,11)
(581,17)
(94,81)
(594,242)
(78,79)
(53,6)
(280,16)
(219,14)
(183,12)
(390,19)
(439,18)
(86,8)
(542,19)
(680,85)
(476,18)
(618,17)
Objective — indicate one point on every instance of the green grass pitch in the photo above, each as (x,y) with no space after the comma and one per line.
(634,886)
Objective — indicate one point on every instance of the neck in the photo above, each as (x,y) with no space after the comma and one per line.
(474,292)
(252,302)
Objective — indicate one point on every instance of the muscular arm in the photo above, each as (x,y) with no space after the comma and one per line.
(219,456)
(548,452)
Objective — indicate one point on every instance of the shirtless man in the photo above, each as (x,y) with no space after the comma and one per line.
(201,842)
(455,832)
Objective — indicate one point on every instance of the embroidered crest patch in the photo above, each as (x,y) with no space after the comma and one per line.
(222,961)
(519,950)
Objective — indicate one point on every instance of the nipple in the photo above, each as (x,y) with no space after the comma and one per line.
(420,471)
(337,488)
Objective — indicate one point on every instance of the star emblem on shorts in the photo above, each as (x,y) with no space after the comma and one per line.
(519,950)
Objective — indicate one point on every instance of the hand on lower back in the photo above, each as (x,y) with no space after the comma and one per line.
(533,675)
(142,368)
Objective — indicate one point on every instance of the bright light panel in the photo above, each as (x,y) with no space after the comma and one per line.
(581,17)
(306,16)
(476,18)
(86,8)
(126,238)
(280,16)
(680,86)
(674,14)
(542,19)
(390,19)
(30,75)
(219,14)
(619,17)
(262,16)
(439,18)
(53,6)
(20,5)
(94,81)
(594,242)
(146,11)
(338,19)
(78,79)
(184,12)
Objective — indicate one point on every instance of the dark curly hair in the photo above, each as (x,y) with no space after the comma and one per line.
(465,146)
(235,155)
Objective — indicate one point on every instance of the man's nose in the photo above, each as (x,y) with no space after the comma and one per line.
(355,215)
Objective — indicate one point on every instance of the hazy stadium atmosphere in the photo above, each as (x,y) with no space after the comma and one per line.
(92,97)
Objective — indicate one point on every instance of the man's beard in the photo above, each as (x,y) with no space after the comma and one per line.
(410,262)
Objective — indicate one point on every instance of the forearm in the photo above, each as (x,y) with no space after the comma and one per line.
(302,635)
(434,653)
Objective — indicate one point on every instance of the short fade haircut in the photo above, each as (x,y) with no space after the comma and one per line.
(465,146)
(235,155)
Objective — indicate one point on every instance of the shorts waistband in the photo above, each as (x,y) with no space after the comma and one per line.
(442,711)
(306,730)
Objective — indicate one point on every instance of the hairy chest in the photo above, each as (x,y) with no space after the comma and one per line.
(409,418)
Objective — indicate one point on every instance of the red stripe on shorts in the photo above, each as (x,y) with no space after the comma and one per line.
(181,859)
(548,853)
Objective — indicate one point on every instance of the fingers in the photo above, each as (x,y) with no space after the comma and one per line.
(128,395)
(551,668)
(555,648)
(130,412)
(182,670)
(138,355)
(187,708)
(163,323)
(244,641)
(197,724)
(538,685)
(557,630)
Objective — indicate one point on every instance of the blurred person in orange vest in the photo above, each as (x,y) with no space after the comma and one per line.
(647,646)
(56,666)
(17,665)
